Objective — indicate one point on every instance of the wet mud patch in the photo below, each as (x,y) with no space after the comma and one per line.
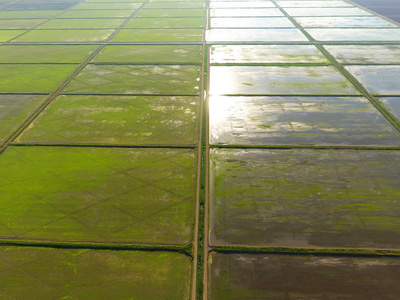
(342,121)
(305,198)
(246,276)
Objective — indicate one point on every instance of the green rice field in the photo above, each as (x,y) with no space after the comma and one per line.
(192,149)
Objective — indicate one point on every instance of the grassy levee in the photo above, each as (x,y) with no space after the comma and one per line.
(203,168)
(313,147)
(187,249)
(309,251)
(203,178)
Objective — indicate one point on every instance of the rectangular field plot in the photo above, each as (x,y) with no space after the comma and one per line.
(45,53)
(34,78)
(246,12)
(65,36)
(108,6)
(175,4)
(255,35)
(114,195)
(97,13)
(393,104)
(7,35)
(14,109)
(20,23)
(378,80)
(82,23)
(355,34)
(298,121)
(365,54)
(265,80)
(241,4)
(250,276)
(127,79)
(313,3)
(240,22)
(37,6)
(159,35)
(88,274)
(265,54)
(326,11)
(121,120)
(150,54)
(370,21)
(305,198)
(170,13)
(119,1)
(165,22)
(29,14)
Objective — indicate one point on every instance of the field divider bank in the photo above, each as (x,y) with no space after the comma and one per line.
(308,251)
(99,246)
(199,262)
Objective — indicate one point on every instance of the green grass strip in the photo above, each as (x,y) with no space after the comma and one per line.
(308,251)
(166,146)
(203,172)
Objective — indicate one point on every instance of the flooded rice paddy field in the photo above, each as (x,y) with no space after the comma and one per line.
(174,149)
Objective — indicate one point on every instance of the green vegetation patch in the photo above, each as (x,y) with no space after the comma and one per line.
(249,276)
(258,80)
(298,121)
(20,23)
(109,6)
(128,79)
(35,78)
(167,13)
(82,23)
(97,13)
(165,23)
(305,198)
(159,35)
(29,14)
(45,53)
(110,195)
(66,36)
(150,54)
(87,274)
(122,120)
(6,35)
(14,109)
